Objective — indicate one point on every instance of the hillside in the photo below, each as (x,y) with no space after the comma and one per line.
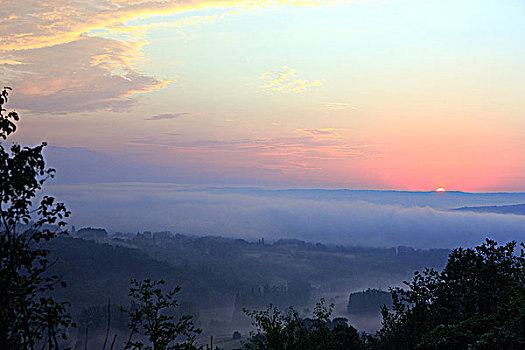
(516,209)
(228,274)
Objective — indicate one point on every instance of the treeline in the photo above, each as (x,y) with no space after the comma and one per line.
(295,293)
(369,301)
(213,270)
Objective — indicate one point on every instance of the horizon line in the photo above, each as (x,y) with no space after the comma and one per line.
(189,186)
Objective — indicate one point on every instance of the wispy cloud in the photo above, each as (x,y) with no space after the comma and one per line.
(322,132)
(286,82)
(166,116)
(295,158)
(282,150)
(85,75)
(9,62)
(336,106)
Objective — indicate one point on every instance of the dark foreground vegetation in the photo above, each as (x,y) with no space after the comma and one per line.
(477,301)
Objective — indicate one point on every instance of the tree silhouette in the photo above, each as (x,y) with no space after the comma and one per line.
(29,315)
(149,317)
(476,302)
(288,331)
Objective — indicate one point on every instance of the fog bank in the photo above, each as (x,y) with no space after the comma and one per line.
(254,214)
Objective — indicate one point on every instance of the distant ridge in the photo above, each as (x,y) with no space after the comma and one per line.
(517,209)
(346,190)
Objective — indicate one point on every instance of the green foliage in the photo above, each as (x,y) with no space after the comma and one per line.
(149,317)
(29,315)
(288,331)
(476,302)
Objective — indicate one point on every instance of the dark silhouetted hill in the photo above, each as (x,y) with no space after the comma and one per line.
(516,209)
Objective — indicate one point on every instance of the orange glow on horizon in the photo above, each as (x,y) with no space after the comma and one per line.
(440,190)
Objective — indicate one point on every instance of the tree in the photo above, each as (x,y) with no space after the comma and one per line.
(368,301)
(149,317)
(279,331)
(476,302)
(29,315)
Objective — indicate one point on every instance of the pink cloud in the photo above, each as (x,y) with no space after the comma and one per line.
(74,77)
(55,64)
(31,24)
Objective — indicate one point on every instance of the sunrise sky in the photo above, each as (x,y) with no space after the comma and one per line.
(404,95)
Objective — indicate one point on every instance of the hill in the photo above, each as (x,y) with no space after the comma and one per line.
(516,209)
(219,276)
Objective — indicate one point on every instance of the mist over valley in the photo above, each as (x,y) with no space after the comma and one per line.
(362,218)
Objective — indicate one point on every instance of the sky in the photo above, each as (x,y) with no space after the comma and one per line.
(400,94)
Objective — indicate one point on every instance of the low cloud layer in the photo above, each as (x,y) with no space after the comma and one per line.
(256,214)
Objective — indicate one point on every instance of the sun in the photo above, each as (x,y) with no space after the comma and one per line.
(440,190)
